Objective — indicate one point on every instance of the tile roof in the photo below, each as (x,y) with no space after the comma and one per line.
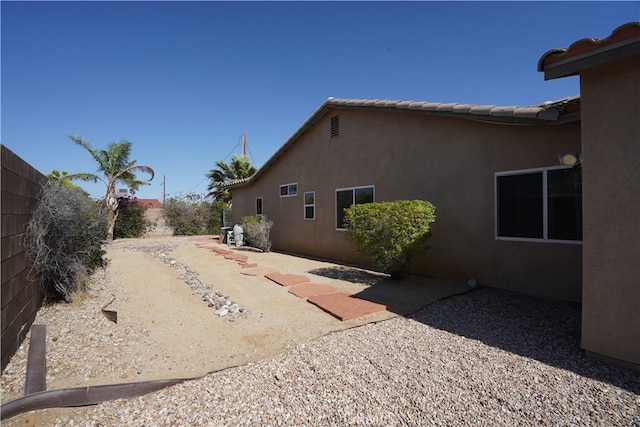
(560,111)
(549,111)
(623,41)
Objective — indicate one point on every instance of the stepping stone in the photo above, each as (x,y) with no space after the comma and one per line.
(258,271)
(305,290)
(345,307)
(236,257)
(247,264)
(287,279)
(221,251)
(207,245)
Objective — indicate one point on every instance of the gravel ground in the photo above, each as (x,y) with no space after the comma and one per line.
(482,358)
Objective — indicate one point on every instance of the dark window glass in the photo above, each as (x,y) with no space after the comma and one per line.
(520,205)
(309,198)
(344,199)
(364,195)
(259,206)
(564,205)
(309,212)
(293,189)
(284,190)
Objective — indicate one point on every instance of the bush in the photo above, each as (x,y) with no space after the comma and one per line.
(131,221)
(64,240)
(392,234)
(256,231)
(187,218)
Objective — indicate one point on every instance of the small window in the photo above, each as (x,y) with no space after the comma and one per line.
(258,205)
(346,197)
(310,205)
(539,204)
(335,126)
(289,190)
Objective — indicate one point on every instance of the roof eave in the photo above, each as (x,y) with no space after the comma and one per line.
(572,66)
(586,53)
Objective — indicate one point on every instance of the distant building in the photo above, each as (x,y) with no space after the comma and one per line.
(148,203)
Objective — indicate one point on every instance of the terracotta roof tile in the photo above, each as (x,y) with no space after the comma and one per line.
(588,52)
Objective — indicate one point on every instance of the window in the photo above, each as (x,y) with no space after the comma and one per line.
(335,126)
(289,190)
(258,205)
(310,205)
(346,197)
(539,204)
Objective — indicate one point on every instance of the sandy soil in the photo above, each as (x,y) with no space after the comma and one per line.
(185,336)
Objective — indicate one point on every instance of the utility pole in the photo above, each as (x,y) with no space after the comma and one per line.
(164,186)
(244,143)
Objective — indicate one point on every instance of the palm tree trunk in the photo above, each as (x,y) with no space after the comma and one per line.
(112,214)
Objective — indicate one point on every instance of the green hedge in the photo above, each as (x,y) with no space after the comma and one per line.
(392,234)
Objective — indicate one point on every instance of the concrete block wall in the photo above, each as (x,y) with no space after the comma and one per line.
(20,298)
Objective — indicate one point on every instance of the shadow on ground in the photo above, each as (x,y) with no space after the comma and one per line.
(400,296)
(547,331)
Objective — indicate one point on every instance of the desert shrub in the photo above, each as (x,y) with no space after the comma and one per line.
(131,221)
(64,240)
(392,234)
(188,218)
(256,232)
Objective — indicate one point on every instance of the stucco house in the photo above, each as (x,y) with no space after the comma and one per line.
(508,214)
(609,71)
(507,183)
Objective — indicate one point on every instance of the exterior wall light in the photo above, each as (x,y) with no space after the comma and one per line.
(570,159)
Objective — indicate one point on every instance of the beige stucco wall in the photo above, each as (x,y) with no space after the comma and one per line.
(448,161)
(611,209)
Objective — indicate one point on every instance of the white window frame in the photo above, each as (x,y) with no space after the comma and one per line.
(545,206)
(312,205)
(288,187)
(261,206)
(353,189)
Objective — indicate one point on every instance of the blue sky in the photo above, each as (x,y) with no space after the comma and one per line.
(184,80)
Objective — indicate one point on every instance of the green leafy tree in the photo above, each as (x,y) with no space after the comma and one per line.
(392,234)
(239,168)
(114,167)
(189,218)
(131,221)
(63,178)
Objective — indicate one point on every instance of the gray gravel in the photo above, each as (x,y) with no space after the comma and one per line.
(482,358)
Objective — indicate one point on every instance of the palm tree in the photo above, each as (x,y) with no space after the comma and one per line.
(239,168)
(113,167)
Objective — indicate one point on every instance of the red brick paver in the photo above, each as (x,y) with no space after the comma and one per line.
(305,290)
(287,279)
(221,251)
(248,264)
(344,306)
(258,271)
(236,257)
